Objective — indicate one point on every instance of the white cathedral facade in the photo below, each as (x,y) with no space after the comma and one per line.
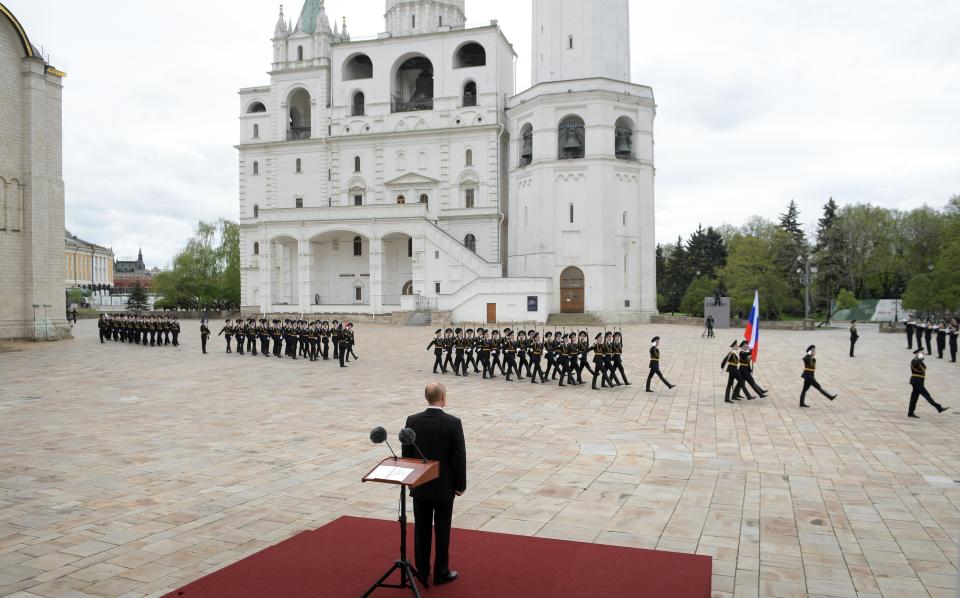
(405,173)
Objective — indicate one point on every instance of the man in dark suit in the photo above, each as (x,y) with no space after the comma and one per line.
(440,438)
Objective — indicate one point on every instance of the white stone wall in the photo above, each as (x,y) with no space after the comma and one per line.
(431,15)
(31,198)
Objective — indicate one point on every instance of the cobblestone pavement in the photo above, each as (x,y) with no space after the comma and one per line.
(129,470)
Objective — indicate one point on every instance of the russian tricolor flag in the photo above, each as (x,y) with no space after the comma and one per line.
(752,333)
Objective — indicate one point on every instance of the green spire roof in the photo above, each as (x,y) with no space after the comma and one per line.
(308,16)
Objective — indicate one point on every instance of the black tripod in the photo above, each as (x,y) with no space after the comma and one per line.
(408,573)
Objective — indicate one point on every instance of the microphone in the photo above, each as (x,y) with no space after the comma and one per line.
(378,435)
(408,437)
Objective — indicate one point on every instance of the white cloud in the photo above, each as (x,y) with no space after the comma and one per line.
(758,102)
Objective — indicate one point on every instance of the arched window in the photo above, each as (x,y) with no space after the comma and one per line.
(469,197)
(358,66)
(256,131)
(401,199)
(256,211)
(256,107)
(299,121)
(469,54)
(409,252)
(526,144)
(424,198)
(569,42)
(356,164)
(570,138)
(407,288)
(470,242)
(413,21)
(256,167)
(470,94)
(256,248)
(358,104)
(624,218)
(357,246)
(440,21)
(468,158)
(299,165)
(299,52)
(623,145)
(412,87)
(571,213)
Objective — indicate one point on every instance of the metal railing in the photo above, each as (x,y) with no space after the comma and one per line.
(398,105)
(295,133)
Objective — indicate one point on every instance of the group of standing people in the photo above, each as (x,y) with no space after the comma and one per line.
(558,356)
(144,330)
(926,332)
(291,338)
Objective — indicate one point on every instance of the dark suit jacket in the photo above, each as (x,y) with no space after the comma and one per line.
(440,437)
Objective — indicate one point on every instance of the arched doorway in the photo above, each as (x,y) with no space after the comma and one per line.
(571,290)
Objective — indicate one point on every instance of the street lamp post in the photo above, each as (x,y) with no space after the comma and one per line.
(807,273)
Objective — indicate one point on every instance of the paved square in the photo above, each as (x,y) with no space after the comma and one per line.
(128,470)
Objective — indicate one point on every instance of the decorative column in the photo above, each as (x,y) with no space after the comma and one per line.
(376,275)
(305,274)
(266,277)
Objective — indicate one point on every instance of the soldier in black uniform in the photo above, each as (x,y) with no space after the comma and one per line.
(468,352)
(460,345)
(344,341)
(535,350)
(918,375)
(928,334)
(617,357)
(496,352)
(510,355)
(599,355)
(102,326)
(853,336)
(276,335)
(809,376)
(583,350)
(483,353)
(952,333)
(608,359)
(335,331)
(746,370)
(918,329)
(325,339)
(437,344)
(522,362)
(252,333)
(204,335)
(908,324)
(941,338)
(655,364)
(263,332)
(227,332)
(732,364)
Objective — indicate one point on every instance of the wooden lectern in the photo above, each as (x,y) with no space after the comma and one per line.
(404,473)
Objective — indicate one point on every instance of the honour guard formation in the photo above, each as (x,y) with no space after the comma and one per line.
(153,331)
(523,354)
(293,339)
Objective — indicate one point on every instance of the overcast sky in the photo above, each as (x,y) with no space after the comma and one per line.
(759,101)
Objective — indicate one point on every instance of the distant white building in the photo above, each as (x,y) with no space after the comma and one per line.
(403,173)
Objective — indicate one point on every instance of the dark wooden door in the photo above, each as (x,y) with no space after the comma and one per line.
(571,291)
(491,313)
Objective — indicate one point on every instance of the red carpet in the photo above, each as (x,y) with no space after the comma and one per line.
(345,557)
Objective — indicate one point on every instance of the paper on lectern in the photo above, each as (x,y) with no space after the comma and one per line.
(393,474)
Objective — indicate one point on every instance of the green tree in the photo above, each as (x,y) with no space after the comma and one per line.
(206,272)
(846,300)
(706,252)
(751,266)
(138,298)
(676,275)
(828,253)
(700,288)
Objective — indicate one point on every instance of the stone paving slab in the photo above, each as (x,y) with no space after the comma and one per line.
(128,470)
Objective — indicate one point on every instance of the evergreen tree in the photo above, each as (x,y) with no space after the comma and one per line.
(138,298)
(828,253)
(790,223)
(678,276)
(706,252)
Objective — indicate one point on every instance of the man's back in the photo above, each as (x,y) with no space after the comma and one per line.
(440,437)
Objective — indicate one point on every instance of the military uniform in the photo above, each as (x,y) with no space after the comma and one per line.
(918,375)
(655,365)
(809,377)
(746,371)
(227,332)
(204,335)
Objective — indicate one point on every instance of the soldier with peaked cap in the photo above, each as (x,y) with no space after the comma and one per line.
(343,339)
(928,329)
(460,345)
(918,376)
(809,376)
(470,351)
(535,350)
(521,344)
(583,349)
(599,355)
(617,356)
(448,342)
(510,355)
(548,353)
(484,347)
(252,336)
(311,336)
(204,335)
(239,335)
(325,339)
(263,333)
(351,340)
(175,330)
(276,336)
(941,338)
(227,331)
(732,364)
(437,344)
(746,370)
(952,334)
(496,351)
(335,330)
(608,359)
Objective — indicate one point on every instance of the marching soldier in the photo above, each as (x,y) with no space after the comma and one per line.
(437,344)
(941,338)
(204,335)
(608,359)
(655,365)
(599,355)
(344,341)
(510,355)
(952,332)
(809,376)
(617,357)
(732,364)
(175,329)
(927,334)
(535,348)
(240,335)
(276,334)
(483,353)
(460,345)
(263,332)
(746,370)
(227,332)
(909,325)
(102,327)
(335,336)
(918,375)
(522,362)
(325,339)
(352,338)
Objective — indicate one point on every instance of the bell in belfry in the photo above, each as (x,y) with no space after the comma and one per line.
(572,140)
(527,149)
(624,143)
(424,87)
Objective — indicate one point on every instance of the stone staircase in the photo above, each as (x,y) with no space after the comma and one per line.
(420,318)
(571,320)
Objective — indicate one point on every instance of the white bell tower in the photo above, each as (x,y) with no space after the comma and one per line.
(581,203)
(574,39)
